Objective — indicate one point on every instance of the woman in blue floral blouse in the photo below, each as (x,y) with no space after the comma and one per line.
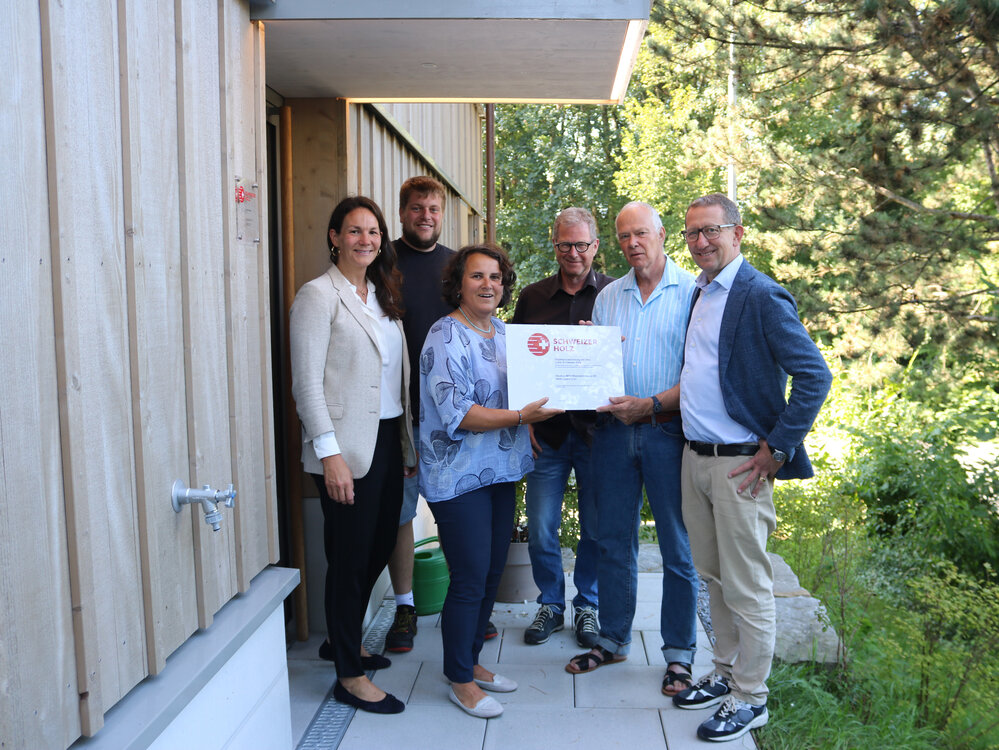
(473,449)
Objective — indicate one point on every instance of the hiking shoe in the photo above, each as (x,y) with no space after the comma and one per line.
(546,622)
(491,631)
(732,720)
(706,692)
(400,636)
(587,626)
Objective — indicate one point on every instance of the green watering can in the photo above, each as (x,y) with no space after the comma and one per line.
(430,578)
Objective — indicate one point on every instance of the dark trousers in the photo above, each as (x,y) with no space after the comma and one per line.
(359,540)
(474,530)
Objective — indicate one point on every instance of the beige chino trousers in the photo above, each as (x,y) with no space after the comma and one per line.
(728,535)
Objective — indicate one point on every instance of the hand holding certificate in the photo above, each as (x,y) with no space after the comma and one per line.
(577,367)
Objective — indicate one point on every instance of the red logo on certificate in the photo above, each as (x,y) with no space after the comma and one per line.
(538,344)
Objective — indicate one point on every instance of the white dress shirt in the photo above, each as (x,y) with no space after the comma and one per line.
(702,405)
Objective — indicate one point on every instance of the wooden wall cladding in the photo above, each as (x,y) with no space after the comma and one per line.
(135,328)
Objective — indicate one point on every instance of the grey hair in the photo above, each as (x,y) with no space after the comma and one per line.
(729,210)
(657,223)
(570,217)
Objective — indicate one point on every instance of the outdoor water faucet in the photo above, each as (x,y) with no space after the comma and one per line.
(210,500)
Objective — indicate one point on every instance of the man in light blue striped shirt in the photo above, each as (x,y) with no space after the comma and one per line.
(638,442)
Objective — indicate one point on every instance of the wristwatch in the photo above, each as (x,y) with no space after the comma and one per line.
(778,455)
(656,406)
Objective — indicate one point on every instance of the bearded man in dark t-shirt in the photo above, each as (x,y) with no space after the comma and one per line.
(421,259)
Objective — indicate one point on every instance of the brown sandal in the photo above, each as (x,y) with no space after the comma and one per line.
(685,678)
(597,657)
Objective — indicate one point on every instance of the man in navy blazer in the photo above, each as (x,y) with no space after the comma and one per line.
(744,339)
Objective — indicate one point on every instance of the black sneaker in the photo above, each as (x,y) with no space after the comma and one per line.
(587,626)
(491,631)
(546,622)
(704,693)
(400,636)
(732,720)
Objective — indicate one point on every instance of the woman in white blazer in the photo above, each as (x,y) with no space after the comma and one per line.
(350,380)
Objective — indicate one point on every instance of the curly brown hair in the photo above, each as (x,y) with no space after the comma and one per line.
(382,272)
(455,272)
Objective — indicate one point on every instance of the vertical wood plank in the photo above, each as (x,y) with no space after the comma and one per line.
(290,442)
(91,308)
(243,306)
(319,149)
(39,698)
(264,292)
(203,283)
(156,336)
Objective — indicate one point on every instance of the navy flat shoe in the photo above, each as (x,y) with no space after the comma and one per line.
(368,663)
(375,661)
(387,705)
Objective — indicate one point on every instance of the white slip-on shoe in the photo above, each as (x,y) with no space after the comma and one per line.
(486,708)
(500,684)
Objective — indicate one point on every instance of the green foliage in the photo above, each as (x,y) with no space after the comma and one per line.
(866,136)
(663,161)
(569,530)
(913,483)
(955,620)
(550,157)
(813,708)
(917,610)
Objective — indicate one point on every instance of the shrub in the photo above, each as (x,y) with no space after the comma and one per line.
(907,471)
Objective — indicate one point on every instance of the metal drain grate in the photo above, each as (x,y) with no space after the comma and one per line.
(330,723)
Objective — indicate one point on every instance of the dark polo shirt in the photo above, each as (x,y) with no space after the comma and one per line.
(545,302)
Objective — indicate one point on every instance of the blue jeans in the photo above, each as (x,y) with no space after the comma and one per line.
(544,497)
(474,531)
(630,457)
(410,488)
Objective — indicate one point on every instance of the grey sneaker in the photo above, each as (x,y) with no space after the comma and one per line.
(706,692)
(546,622)
(732,720)
(587,626)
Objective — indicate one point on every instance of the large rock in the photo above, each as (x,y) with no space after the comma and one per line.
(804,632)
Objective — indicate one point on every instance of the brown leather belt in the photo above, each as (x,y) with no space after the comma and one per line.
(665,416)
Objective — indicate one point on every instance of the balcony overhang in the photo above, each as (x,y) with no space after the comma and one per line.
(567,51)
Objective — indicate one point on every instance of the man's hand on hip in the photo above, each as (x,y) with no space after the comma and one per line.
(761,467)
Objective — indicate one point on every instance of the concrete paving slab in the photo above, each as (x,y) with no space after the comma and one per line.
(519,615)
(399,678)
(653,643)
(539,685)
(558,649)
(309,681)
(621,686)
(306,649)
(416,728)
(617,706)
(647,616)
(588,729)
(650,587)
(681,731)
(427,646)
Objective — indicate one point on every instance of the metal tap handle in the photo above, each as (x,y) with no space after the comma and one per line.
(207,497)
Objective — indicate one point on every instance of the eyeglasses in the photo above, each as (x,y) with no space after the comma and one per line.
(711,232)
(565,247)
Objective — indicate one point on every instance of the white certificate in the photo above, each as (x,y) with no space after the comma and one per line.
(577,367)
